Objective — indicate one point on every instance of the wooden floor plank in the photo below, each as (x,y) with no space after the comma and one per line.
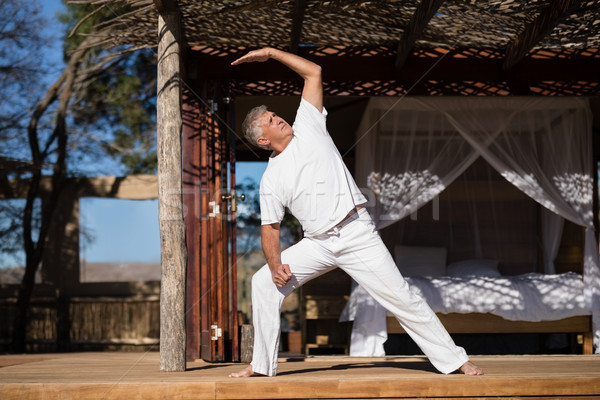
(136,376)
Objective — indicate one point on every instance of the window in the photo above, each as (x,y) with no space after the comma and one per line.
(119,240)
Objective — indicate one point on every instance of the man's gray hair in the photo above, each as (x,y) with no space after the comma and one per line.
(251,126)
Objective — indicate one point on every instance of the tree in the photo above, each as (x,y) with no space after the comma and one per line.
(20,71)
(48,151)
(97,89)
(20,41)
(115,105)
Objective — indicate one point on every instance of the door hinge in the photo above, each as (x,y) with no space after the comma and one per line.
(217,332)
(215,209)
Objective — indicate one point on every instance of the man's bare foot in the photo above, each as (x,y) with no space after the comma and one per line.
(244,373)
(469,368)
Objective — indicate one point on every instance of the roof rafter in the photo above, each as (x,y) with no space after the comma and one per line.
(549,18)
(335,68)
(297,19)
(554,47)
(419,21)
(166,6)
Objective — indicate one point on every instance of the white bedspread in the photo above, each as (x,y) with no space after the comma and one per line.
(529,297)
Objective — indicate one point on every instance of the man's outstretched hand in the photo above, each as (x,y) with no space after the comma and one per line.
(311,72)
(260,55)
(281,275)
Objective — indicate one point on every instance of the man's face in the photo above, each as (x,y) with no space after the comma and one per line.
(275,129)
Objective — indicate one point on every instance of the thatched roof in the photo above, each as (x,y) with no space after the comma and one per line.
(507,32)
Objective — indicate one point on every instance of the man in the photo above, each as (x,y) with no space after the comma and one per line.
(306,174)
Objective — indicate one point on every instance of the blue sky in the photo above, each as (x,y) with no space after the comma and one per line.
(54,31)
(127,230)
(123,230)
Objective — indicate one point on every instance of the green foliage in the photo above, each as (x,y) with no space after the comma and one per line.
(117,104)
(75,13)
(70,19)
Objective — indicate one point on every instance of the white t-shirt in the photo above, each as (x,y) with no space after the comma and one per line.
(308,177)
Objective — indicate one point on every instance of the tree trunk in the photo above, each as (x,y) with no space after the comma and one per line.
(170,200)
(34,249)
(22,306)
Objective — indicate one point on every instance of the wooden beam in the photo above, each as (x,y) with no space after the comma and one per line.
(133,187)
(380,68)
(297,19)
(170,201)
(423,14)
(549,18)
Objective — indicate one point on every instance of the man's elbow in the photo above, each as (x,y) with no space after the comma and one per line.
(316,72)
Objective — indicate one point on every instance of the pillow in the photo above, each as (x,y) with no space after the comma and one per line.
(420,261)
(479,267)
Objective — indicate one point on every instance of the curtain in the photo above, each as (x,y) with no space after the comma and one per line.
(406,156)
(411,149)
(552,226)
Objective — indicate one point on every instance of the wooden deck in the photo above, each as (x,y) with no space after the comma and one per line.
(136,376)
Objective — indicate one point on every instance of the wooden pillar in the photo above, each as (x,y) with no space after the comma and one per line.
(170,202)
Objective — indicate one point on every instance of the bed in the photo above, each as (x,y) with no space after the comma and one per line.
(489,180)
(471,296)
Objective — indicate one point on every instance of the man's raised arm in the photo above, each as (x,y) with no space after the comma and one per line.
(308,70)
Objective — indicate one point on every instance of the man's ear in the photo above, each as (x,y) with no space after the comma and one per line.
(263,141)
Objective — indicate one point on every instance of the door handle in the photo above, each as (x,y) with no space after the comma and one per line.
(233,198)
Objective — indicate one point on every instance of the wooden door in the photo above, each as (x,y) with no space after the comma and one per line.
(210,201)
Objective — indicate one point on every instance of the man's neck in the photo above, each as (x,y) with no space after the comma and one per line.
(280,147)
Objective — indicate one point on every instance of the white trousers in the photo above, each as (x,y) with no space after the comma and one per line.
(355,247)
